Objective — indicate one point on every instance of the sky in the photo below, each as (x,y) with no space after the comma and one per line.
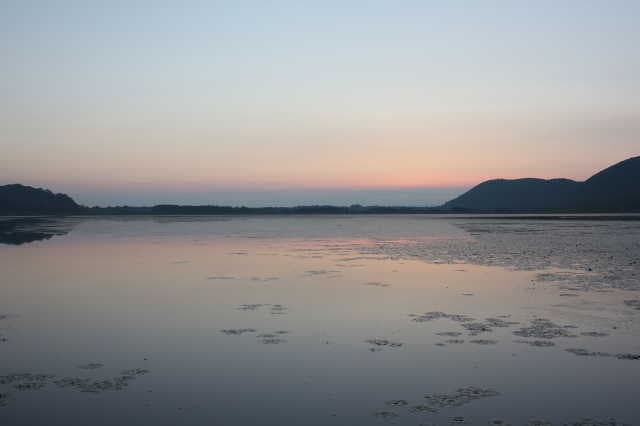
(300,102)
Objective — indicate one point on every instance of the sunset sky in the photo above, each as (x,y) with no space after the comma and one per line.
(263,103)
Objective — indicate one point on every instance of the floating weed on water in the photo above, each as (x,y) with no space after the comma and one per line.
(320,272)
(536,422)
(220,277)
(31,382)
(455,341)
(499,322)
(458,398)
(592,422)
(484,342)
(421,408)
(386,415)
(430,316)
(449,333)
(377,284)
(397,402)
(584,352)
(594,334)
(457,420)
(635,357)
(91,366)
(634,303)
(568,295)
(237,331)
(498,422)
(26,386)
(379,343)
(476,328)
(278,309)
(264,279)
(537,343)
(273,340)
(25,377)
(275,309)
(135,372)
(542,328)
(251,306)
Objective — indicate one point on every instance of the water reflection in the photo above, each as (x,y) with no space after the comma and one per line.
(23,230)
(315,321)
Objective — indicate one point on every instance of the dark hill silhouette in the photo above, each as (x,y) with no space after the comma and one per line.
(16,199)
(615,189)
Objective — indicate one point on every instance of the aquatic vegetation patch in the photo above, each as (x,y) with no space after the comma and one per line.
(272,340)
(585,352)
(220,277)
(422,408)
(476,328)
(378,344)
(377,284)
(264,279)
(633,303)
(498,422)
(237,331)
(91,366)
(22,382)
(397,403)
(500,323)
(274,309)
(542,328)
(278,309)
(449,333)
(314,272)
(634,357)
(594,334)
(455,341)
(386,415)
(576,248)
(25,377)
(430,316)
(592,422)
(537,343)
(458,398)
(536,422)
(251,306)
(484,342)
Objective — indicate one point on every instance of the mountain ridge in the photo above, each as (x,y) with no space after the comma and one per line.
(613,189)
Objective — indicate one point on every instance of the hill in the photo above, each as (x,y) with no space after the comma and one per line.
(614,189)
(16,199)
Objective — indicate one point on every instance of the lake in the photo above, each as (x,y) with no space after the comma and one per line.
(320,320)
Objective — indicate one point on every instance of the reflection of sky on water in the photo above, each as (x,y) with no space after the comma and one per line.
(119,291)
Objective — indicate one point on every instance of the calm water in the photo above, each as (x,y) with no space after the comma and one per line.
(319,321)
